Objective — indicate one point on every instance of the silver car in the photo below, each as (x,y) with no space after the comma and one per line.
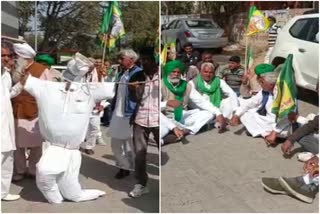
(201,33)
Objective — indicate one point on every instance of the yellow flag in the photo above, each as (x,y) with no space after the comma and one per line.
(257,22)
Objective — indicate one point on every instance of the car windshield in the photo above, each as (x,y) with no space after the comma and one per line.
(200,24)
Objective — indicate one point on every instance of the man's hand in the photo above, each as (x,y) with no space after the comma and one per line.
(222,121)
(174,103)
(292,117)
(286,147)
(24,77)
(178,132)
(271,138)
(99,108)
(235,120)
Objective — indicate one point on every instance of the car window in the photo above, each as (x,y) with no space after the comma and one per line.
(200,24)
(305,29)
(178,25)
(172,24)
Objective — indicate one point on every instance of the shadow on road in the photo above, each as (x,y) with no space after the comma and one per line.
(30,191)
(104,173)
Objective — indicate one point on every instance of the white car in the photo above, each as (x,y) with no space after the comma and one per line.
(300,37)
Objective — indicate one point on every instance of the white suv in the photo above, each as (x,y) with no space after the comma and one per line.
(300,37)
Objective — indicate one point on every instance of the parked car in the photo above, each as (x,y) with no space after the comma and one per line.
(201,33)
(300,37)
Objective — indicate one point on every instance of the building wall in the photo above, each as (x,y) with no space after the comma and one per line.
(9,19)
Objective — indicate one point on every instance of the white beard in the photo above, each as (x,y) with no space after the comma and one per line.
(16,73)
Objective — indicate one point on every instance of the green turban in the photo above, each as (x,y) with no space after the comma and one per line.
(263,68)
(45,58)
(171,65)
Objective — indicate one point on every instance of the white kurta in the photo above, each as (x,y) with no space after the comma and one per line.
(119,125)
(120,129)
(228,105)
(8,143)
(194,119)
(7,122)
(63,120)
(255,123)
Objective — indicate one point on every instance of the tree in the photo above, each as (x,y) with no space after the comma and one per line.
(141,22)
(177,7)
(25,11)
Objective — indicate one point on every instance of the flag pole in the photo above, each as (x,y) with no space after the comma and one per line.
(246,57)
(104,49)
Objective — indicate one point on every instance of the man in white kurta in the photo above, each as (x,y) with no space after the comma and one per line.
(120,129)
(64,111)
(26,117)
(192,120)
(8,144)
(229,100)
(255,114)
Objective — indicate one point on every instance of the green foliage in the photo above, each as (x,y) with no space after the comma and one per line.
(141,22)
(25,11)
(177,7)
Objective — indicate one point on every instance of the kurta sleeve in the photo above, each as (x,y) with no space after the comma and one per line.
(311,127)
(33,86)
(250,103)
(102,91)
(16,90)
(227,90)
(202,103)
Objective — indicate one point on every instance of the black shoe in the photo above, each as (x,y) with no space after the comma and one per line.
(298,189)
(89,151)
(122,174)
(170,138)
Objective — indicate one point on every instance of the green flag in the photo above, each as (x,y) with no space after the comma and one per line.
(286,93)
(111,28)
(257,22)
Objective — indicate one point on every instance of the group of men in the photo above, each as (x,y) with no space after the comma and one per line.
(46,115)
(197,94)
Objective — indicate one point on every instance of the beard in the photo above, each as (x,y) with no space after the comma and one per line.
(16,73)
(174,80)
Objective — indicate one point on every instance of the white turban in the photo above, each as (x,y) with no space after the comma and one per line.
(77,67)
(24,50)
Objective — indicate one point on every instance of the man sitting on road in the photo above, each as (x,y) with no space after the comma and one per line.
(215,90)
(177,94)
(206,57)
(233,74)
(190,58)
(255,114)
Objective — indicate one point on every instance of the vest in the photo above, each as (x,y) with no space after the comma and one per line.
(24,105)
(166,95)
(129,106)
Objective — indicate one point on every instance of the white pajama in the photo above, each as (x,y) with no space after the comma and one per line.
(6,172)
(58,178)
(123,152)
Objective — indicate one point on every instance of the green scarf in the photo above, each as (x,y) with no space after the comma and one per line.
(214,92)
(178,91)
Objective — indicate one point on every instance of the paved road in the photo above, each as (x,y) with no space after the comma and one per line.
(222,172)
(97,171)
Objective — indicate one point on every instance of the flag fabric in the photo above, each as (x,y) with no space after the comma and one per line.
(286,93)
(257,22)
(111,28)
(164,53)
